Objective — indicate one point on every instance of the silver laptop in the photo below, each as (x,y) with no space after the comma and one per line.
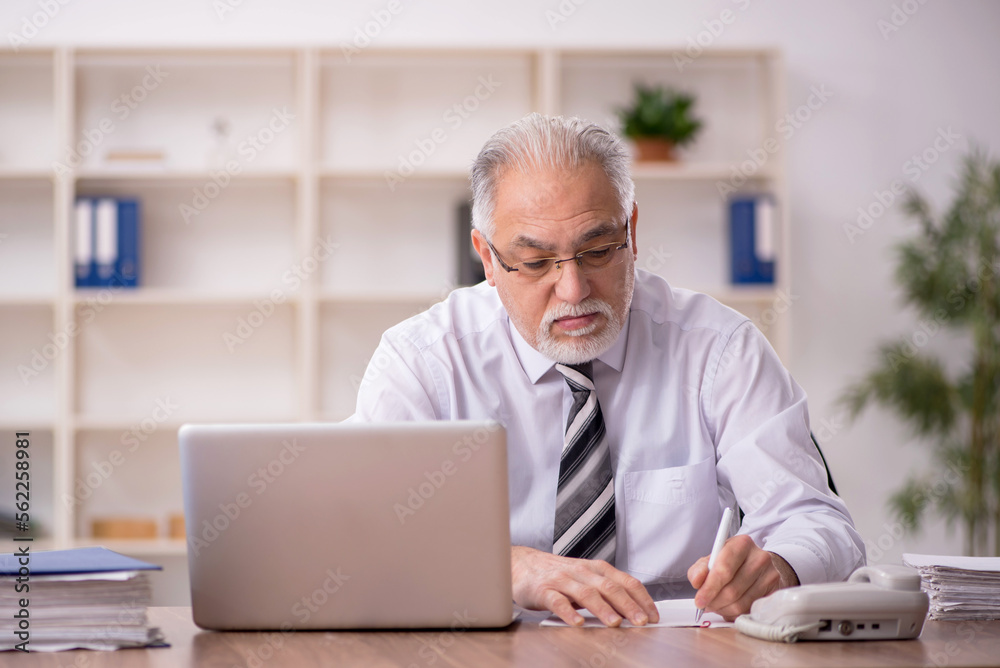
(347,526)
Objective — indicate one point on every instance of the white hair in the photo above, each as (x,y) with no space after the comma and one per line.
(546,142)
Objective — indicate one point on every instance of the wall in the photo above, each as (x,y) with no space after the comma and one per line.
(890,93)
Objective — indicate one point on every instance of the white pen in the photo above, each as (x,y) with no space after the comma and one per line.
(720,539)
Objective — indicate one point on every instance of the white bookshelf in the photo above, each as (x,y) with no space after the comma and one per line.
(316,180)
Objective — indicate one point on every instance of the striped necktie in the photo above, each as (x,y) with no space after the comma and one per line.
(585,498)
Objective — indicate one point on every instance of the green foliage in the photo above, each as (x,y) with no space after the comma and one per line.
(662,113)
(950,274)
(915,387)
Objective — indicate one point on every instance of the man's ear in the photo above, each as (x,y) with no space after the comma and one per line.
(632,222)
(479,243)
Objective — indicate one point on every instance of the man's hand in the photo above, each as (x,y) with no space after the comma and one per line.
(742,573)
(544,581)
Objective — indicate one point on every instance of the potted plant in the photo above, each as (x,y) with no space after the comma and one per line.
(658,120)
(950,272)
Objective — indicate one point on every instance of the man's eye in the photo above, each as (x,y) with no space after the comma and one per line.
(535,265)
(598,253)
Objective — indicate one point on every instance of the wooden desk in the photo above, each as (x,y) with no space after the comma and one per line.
(527,644)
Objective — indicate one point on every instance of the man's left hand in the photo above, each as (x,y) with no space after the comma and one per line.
(742,573)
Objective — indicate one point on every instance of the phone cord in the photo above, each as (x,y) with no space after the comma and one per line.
(751,627)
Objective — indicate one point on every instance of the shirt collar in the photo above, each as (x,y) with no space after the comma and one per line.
(536,365)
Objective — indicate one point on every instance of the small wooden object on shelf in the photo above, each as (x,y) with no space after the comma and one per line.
(652,149)
(124,527)
(177,526)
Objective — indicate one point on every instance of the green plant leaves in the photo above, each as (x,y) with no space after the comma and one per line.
(950,272)
(660,112)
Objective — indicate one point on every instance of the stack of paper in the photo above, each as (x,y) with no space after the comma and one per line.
(960,588)
(90,598)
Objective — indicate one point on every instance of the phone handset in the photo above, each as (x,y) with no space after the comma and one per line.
(877,602)
(900,578)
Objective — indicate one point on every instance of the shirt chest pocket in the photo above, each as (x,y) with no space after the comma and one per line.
(671,516)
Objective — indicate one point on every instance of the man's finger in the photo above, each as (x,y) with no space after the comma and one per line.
(561,607)
(698,572)
(639,594)
(608,593)
(727,565)
(628,596)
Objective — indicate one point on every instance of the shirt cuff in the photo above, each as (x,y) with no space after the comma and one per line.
(808,566)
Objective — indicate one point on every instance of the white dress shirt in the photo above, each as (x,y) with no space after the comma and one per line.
(700,415)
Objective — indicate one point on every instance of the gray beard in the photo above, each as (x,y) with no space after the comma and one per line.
(584,346)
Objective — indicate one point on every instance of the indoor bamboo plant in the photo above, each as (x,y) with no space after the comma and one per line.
(658,120)
(949,273)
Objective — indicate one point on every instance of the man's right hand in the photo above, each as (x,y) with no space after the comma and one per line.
(544,581)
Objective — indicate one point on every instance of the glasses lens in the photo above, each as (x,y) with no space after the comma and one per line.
(590,262)
(535,268)
(599,258)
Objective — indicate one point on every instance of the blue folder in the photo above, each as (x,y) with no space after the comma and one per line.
(75,561)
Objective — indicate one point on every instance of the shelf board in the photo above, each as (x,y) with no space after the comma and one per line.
(755,294)
(93,423)
(36,545)
(174,297)
(692,171)
(418,298)
(26,300)
(136,547)
(375,174)
(649,171)
(23,174)
(612,52)
(26,424)
(157,174)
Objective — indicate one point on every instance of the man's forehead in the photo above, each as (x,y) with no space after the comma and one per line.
(598,229)
(532,198)
(539,183)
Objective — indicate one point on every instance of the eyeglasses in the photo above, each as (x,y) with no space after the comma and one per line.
(590,261)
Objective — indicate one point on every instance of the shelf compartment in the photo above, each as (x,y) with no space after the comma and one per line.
(27,252)
(207,360)
(349,335)
(41,491)
(429,111)
(28,360)
(27,115)
(595,85)
(127,474)
(420,219)
(687,242)
(159,101)
(242,240)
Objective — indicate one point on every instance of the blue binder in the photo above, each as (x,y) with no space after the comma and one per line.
(751,238)
(127,263)
(107,256)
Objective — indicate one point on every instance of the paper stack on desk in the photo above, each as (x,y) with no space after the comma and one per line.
(960,588)
(87,598)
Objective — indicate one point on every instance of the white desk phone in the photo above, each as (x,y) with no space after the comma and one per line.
(876,603)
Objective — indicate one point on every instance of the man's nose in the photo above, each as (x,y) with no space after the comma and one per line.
(572,285)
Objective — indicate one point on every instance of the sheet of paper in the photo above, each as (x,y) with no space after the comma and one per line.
(987,564)
(676,613)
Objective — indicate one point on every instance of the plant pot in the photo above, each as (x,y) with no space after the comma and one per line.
(653,149)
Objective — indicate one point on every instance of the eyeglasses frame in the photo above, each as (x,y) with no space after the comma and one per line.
(558,263)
